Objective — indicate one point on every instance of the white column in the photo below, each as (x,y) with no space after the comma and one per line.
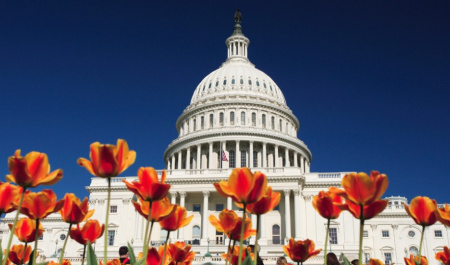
(276,156)
(303,216)
(297,214)
(173,200)
(188,158)
(173,162)
(179,159)
(253,218)
(263,239)
(205,222)
(264,155)
(250,162)
(286,157)
(238,155)
(229,203)
(302,163)
(210,155)
(181,231)
(295,159)
(287,209)
(198,156)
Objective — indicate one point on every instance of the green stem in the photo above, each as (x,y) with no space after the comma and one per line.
(105,251)
(36,233)
(420,246)
(241,239)
(8,246)
(256,239)
(84,255)
(23,256)
(64,246)
(146,236)
(326,243)
(361,230)
(228,251)
(165,247)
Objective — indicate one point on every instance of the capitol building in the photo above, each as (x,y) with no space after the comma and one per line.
(238,117)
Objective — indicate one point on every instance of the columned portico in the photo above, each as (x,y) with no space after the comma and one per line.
(199,150)
(277,160)
(188,158)
(264,155)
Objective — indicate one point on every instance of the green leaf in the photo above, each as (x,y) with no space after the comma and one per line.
(131,255)
(90,256)
(247,261)
(42,263)
(30,262)
(140,262)
(346,262)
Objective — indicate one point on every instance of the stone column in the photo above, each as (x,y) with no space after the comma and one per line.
(297,214)
(229,203)
(276,156)
(286,157)
(205,222)
(250,162)
(302,163)
(263,239)
(264,155)
(173,161)
(173,200)
(199,150)
(210,156)
(179,159)
(295,159)
(188,158)
(303,216)
(287,209)
(181,230)
(238,155)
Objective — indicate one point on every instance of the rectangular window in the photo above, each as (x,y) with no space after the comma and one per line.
(221,119)
(333,236)
(202,122)
(438,233)
(243,158)
(365,233)
(253,119)
(232,161)
(195,125)
(113,209)
(232,118)
(385,233)
(111,235)
(211,120)
(367,257)
(242,118)
(219,207)
(387,258)
(255,159)
(196,208)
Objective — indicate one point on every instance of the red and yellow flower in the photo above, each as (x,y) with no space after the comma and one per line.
(108,160)
(300,251)
(243,186)
(422,210)
(9,197)
(375,262)
(176,220)
(25,230)
(64,262)
(226,222)
(325,204)
(369,211)
(90,231)
(181,253)
(160,209)
(19,254)
(233,256)
(112,262)
(149,188)
(415,260)
(235,233)
(443,215)
(38,205)
(444,256)
(155,256)
(267,203)
(32,170)
(75,211)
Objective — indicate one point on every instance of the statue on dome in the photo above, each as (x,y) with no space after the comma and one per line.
(237,17)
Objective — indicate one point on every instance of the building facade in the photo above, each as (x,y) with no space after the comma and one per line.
(238,117)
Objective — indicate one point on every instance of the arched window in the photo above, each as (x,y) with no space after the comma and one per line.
(276,235)
(413,251)
(272,123)
(196,235)
(221,119)
(250,82)
(242,118)
(232,118)
(264,120)
(202,122)
(242,81)
(224,82)
(232,159)
(232,81)
(243,158)
(211,120)
(255,159)
(253,119)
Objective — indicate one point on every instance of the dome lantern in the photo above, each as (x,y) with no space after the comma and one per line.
(237,43)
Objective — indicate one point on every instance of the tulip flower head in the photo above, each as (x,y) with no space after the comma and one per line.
(414,260)
(180,252)
(235,233)
(226,222)
(375,262)
(25,230)
(90,231)
(149,188)
(32,170)
(9,197)
(64,262)
(325,204)
(243,186)
(176,220)
(422,210)
(267,203)
(369,211)
(443,215)
(444,256)
(233,257)
(112,262)
(300,251)
(75,211)
(154,256)
(108,160)
(38,205)
(17,252)
(160,209)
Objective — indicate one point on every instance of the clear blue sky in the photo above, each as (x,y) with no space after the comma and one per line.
(368,80)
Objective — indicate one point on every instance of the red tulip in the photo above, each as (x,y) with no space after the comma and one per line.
(375,262)
(75,211)
(226,222)
(176,220)
(415,260)
(18,252)
(267,203)
(233,257)
(300,251)
(369,211)
(444,256)
(160,209)
(443,215)
(38,205)
(90,231)
(148,187)
(325,204)
(422,210)
(180,252)
(64,262)
(9,197)
(25,230)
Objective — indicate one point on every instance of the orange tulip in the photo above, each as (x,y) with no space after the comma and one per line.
(64,262)
(443,215)
(369,211)
(90,231)
(9,197)
(415,260)
(267,203)
(375,262)
(32,170)
(148,187)
(17,252)
(243,186)
(233,257)
(422,210)
(108,160)
(154,257)
(444,256)
(235,233)
(362,189)
(75,211)
(325,204)
(160,209)
(176,220)
(300,251)
(38,205)
(112,262)
(180,252)
(226,222)
(26,230)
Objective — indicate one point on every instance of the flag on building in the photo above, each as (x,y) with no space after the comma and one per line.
(224,156)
